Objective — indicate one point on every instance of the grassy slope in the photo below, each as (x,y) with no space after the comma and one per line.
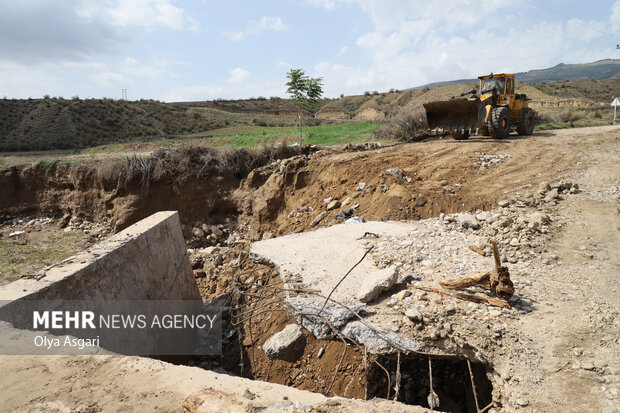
(51,123)
(16,259)
(603,69)
(231,136)
(596,90)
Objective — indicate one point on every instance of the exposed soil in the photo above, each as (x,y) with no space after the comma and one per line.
(572,334)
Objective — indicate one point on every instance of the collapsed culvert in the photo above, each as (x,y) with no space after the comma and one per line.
(453,388)
(264,342)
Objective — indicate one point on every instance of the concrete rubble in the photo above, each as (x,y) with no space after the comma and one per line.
(286,344)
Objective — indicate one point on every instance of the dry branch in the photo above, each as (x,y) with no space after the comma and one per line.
(469,281)
(498,279)
(476,249)
(497,302)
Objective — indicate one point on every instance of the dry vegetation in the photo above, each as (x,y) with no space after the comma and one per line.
(56,123)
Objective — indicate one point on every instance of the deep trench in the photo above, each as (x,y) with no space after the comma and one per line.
(452,382)
(451,378)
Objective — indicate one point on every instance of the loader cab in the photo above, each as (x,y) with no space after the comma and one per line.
(504,85)
(491,83)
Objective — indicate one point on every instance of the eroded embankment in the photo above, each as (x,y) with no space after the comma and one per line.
(268,192)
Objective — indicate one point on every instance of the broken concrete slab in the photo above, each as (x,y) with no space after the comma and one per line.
(286,344)
(382,281)
(312,264)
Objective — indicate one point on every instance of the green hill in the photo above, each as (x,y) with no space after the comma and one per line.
(56,123)
(602,69)
(602,91)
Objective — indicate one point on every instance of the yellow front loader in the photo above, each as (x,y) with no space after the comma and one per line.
(493,110)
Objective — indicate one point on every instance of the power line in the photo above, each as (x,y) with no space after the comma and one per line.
(559,13)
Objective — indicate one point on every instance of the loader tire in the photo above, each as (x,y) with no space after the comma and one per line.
(459,135)
(484,131)
(499,124)
(526,122)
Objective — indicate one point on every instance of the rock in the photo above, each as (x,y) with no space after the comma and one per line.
(521,402)
(505,222)
(414,315)
(514,242)
(218,233)
(395,172)
(377,283)
(483,216)
(344,214)
(16,233)
(539,218)
(409,277)
(268,235)
(403,294)
(318,219)
(64,221)
(198,233)
(468,221)
(587,365)
(543,188)
(553,194)
(361,186)
(333,205)
(328,200)
(286,344)
(346,202)
(320,353)
(503,203)
(282,405)
(355,220)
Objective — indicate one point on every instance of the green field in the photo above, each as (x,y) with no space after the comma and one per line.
(329,134)
(231,136)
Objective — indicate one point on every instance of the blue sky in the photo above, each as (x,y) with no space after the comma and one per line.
(175,50)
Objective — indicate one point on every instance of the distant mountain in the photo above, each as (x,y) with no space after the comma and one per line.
(602,69)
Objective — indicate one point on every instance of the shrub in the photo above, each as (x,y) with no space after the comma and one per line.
(404,126)
(190,161)
(598,114)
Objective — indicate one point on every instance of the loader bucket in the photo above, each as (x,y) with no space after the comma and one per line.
(457,114)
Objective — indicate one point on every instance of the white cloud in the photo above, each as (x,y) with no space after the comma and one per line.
(238,76)
(151,72)
(266,23)
(327,4)
(38,31)
(210,92)
(342,51)
(271,23)
(411,43)
(112,80)
(144,13)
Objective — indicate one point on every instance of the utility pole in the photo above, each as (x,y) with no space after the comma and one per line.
(124,94)
(615,104)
